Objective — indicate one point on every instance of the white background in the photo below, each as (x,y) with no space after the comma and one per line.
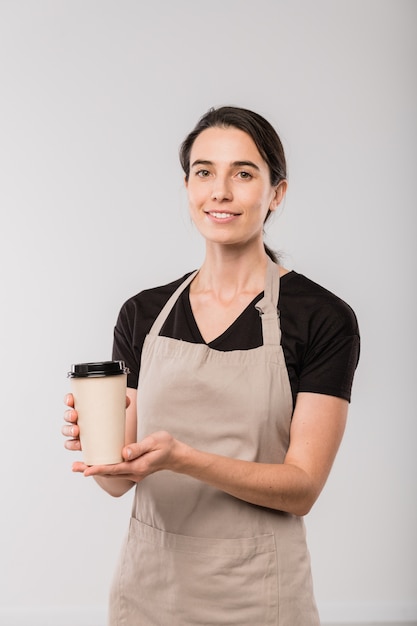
(95,97)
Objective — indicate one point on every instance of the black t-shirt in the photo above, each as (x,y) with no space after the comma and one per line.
(320,335)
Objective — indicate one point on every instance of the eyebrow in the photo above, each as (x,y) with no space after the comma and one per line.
(234,164)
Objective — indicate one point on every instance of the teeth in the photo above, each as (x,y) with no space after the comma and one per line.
(221,215)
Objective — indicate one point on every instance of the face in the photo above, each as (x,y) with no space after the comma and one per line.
(229,188)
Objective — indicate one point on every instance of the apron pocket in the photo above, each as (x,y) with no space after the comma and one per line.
(192,581)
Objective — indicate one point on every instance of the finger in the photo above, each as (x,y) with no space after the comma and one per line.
(73,444)
(70,431)
(114,469)
(71,416)
(135,450)
(79,466)
(69,399)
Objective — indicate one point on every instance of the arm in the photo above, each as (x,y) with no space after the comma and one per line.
(316,432)
(293,486)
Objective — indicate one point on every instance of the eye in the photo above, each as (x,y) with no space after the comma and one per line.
(245,175)
(202,173)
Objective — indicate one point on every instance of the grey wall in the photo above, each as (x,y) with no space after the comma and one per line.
(95,98)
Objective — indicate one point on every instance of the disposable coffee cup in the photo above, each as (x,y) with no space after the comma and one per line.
(99,391)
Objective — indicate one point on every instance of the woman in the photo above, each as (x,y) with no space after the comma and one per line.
(240,408)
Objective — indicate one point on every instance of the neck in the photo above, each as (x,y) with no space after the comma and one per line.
(227,271)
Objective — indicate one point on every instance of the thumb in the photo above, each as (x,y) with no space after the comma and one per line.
(132,451)
(128,453)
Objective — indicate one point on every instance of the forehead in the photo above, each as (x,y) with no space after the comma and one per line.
(225,144)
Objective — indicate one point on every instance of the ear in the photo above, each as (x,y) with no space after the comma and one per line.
(279,193)
(186,182)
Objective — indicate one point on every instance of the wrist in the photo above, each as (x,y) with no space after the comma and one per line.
(182,458)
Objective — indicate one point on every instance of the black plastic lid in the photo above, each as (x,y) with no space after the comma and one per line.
(100,368)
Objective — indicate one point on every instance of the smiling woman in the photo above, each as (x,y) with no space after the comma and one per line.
(239,385)
(256,135)
(229,185)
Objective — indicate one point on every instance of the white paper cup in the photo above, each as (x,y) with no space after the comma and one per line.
(99,391)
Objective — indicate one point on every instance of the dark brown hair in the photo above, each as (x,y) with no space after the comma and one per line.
(258,128)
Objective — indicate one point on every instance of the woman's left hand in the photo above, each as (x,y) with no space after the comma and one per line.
(156,452)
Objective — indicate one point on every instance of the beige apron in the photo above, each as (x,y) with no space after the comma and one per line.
(196,556)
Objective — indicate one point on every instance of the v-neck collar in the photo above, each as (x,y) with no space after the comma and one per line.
(185,296)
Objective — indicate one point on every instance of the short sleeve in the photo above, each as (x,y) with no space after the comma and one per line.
(124,343)
(332,355)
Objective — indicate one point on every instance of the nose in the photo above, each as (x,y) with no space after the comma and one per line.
(221,190)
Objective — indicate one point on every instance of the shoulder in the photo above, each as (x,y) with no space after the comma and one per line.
(315,305)
(148,303)
(320,336)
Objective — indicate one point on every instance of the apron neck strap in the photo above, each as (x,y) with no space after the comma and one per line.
(160,320)
(267,306)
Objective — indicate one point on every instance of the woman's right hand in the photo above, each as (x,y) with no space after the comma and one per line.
(71,430)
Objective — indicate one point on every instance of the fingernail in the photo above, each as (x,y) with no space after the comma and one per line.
(128,453)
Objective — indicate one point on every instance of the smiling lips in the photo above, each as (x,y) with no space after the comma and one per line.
(220,215)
